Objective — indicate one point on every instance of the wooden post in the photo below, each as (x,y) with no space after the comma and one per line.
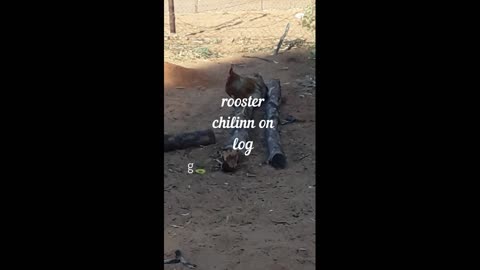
(261,5)
(196,6)
(171,11)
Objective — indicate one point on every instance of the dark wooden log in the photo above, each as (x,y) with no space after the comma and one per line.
(185,140)
(275,155)
(231,157)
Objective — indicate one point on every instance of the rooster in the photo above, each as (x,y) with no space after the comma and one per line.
(243,87)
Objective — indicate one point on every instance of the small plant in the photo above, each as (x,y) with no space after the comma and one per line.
(308,20)
(312,53)
(203,52)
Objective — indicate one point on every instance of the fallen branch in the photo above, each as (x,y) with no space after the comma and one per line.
(280,222)
(264,59)
(179,259)
(302,157)
(275,157)
(185,140)
(282,38)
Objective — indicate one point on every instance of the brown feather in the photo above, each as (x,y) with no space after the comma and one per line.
(242,87)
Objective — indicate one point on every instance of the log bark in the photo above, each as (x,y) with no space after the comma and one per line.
(185,140)
(275,155)
(230,156)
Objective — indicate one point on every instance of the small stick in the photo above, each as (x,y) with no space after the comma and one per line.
(302,157)
(280,222)
(282,38)
(264,59)
(179,259)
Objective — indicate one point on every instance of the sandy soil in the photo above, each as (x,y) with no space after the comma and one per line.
(228,220)
(233,32)
(179,77)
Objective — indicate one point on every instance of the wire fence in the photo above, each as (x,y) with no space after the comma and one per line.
(196,6)
(217,28)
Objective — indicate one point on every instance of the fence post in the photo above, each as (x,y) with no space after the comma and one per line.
(196,6)
(261,5)
(171,12)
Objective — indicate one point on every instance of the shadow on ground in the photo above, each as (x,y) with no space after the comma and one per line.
(265,220)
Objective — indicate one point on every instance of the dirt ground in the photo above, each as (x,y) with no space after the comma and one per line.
(230,220)
(209,35)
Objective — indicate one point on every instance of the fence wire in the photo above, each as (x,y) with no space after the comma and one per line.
(196,6)
(217,28)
